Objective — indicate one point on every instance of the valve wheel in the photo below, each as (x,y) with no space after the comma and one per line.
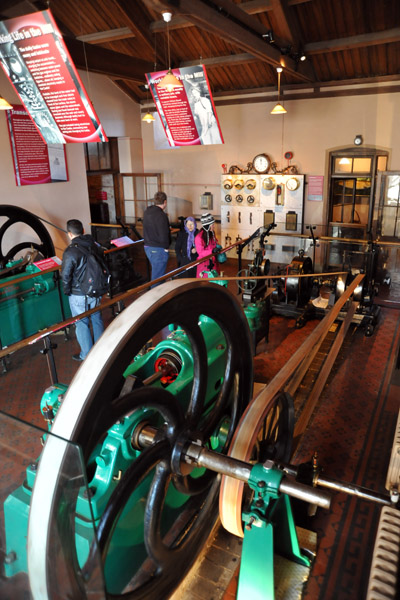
(246,284)
(265,432)
(96,399)
(15,216)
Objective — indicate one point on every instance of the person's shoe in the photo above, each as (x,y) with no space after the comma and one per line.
(77,357)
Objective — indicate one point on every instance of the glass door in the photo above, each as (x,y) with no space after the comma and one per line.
(389,207)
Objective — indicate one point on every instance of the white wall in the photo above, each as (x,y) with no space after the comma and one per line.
(58,202)
(310,129)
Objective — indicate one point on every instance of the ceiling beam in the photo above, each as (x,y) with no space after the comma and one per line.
(111,35)
(252,7)
(209,19)
(288,26)
(138,21)
(124,87)
(356,41)
(106,62)
(217,61)
(312,87)
(310,95)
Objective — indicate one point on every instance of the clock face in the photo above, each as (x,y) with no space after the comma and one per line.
(261,163)
(292,184)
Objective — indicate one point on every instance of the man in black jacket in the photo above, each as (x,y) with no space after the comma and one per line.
(73,265)
(156,234)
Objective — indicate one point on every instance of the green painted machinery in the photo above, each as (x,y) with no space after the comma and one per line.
(29,304)
(154,424)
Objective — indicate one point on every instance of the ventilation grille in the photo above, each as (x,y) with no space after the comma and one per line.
(393,474)
(385,559)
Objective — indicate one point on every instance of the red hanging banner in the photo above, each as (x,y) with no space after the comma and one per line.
(37,63)
(187,113)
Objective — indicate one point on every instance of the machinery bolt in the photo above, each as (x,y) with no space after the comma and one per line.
(33,466)
(89,492)
(261,484)
(259,503)
(10,557)
(249,524)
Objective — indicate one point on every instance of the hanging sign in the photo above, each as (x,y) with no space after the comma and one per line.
(34,160)
(187,113)
(38,65)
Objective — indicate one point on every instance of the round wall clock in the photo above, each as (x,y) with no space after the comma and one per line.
(292,184)
(261,163)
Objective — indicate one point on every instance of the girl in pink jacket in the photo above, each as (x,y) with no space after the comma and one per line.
(205,242)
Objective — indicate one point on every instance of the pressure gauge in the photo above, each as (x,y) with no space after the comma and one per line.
(292,184)
(269,183)
(227,184)
(261,163)
(251,184)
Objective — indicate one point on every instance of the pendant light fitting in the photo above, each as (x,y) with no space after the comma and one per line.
(169,81)
(4,105)
(279,108)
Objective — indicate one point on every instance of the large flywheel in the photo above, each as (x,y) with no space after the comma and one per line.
(173,508)
(21,224)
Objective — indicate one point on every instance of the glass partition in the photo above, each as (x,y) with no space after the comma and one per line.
(44,548)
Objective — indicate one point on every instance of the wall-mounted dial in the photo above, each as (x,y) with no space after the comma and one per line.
(268,183)
(261,163)
(292,184)
(251,184)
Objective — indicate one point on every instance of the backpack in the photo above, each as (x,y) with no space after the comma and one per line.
(95,278)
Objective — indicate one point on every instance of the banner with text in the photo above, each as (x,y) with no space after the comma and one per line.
(37,62)
(187,113)
(34,160)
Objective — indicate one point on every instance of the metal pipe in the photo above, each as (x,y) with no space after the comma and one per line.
(354,490)
(231,467)
(218,462)
(305,492)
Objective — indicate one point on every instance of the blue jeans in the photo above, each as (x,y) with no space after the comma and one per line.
(158,258)
(78,305)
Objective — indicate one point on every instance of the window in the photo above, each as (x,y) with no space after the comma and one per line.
(350,200)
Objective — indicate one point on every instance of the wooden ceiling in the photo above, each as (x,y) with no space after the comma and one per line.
(352,46)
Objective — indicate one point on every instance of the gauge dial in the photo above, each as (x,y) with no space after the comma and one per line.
(261,163)
(269,183)
(292,184)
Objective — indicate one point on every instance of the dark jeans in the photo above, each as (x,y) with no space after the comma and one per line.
(158,258)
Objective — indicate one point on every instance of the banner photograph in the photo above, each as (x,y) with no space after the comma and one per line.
(37,63)
(187,113)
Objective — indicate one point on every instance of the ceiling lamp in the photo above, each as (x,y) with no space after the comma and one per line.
(4,105)
(278,108)
(169,81)
(148,118)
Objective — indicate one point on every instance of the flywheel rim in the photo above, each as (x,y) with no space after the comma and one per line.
(243,446)
(97,381)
